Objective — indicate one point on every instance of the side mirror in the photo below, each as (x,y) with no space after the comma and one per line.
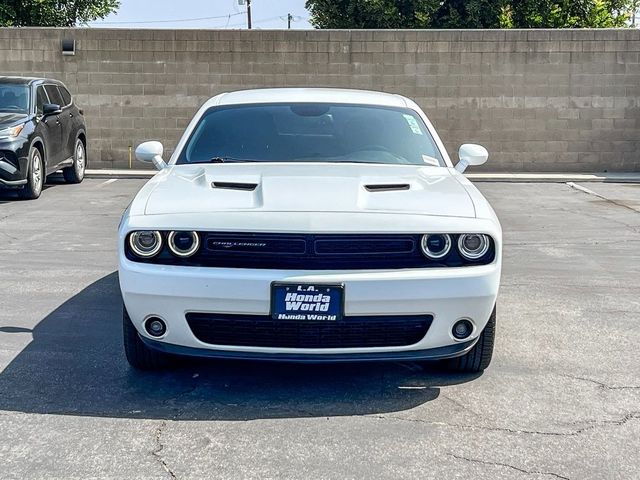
(151,152)
(51,109)
(471,154)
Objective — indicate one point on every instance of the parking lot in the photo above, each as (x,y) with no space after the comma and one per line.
(560,400)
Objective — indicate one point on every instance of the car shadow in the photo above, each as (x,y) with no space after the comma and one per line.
(8,195)
(75,365)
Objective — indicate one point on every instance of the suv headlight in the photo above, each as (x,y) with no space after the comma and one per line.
(473,246)
(11,132)
(145,243)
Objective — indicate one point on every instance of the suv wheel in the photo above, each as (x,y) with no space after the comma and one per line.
(138,354)
(35,176)
(75,173)
(479,357)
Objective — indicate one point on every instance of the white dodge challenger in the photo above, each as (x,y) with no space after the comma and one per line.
(305,224)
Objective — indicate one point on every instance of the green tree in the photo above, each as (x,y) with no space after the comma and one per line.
(570,13)
(469,13)
(372,13)
(53,13)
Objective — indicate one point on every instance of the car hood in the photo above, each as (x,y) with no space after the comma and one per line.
(10,119)
(308,187)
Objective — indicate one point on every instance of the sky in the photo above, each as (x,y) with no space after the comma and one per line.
(265,14)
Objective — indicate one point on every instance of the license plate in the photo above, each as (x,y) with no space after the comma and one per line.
(307,302)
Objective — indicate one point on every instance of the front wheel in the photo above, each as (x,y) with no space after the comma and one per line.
(479,357)
(138,354)
(75,173)
(35,176)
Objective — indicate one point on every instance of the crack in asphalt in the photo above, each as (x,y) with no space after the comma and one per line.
(506,465)
(159,447)
(593,424)
(602,385)
(588,191)
(460,405)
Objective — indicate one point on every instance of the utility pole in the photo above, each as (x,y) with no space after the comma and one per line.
(249,14)
(289,18)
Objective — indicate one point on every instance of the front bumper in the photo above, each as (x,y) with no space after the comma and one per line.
(447,294)
(438,353)
(13,163)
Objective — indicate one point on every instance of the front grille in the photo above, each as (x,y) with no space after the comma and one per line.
(312,252)
(350,332)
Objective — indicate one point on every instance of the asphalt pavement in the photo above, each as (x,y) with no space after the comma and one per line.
(560,400)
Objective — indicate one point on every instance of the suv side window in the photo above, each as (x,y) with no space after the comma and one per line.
(66,96)
(41,99)
(54,95)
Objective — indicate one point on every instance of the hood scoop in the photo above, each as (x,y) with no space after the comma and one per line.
(242,186)
(387,187)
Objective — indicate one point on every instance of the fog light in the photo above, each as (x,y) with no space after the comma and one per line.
(155,327)
(462,329)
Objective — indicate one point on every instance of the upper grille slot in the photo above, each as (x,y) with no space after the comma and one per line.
(255,244)
(364,246)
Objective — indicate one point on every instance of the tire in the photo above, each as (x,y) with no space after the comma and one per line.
(138,354)
(75,173)
(35,176)
(479,357)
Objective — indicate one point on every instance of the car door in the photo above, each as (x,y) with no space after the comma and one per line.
(68,122)
(56,151)
(48,129)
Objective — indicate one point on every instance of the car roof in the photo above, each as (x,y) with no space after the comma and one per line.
(312,95)
(27,80)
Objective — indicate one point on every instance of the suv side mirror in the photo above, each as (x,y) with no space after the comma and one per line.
(151,152)
(471,154)
(51,109)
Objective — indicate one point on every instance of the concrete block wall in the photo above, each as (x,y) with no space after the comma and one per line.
(539,100)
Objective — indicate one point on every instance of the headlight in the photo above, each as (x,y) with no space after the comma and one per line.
(11,132)
(145,244)
(473,246)
(436,245)
(183,244)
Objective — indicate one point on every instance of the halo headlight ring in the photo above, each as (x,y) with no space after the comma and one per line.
(427,249)
(183,253)
(473,253)
(147,249)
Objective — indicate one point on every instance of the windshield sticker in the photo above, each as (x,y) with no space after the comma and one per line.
(413,124)
(430,160)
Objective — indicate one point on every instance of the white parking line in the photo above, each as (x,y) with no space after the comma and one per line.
(107,182)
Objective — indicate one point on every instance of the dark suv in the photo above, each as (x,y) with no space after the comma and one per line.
(41,131)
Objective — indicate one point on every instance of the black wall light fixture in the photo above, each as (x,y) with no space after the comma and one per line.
(68,46)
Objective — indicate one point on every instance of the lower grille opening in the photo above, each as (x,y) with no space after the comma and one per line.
(350,332)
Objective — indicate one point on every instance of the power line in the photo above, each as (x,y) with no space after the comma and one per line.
(264,20)
(172,21)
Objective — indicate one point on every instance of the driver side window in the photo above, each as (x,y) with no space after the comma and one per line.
(41,99)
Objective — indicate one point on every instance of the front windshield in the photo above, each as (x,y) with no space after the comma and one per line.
(14,98)
(311,132)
